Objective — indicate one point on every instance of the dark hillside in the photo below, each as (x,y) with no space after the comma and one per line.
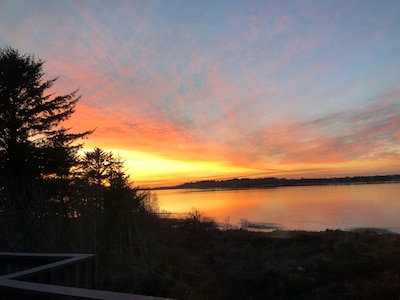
(276,182)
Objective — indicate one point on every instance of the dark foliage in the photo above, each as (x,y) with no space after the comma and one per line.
(237,264)
(31,142)
(34,148)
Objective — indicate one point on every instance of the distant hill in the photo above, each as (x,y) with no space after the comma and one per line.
(237,183)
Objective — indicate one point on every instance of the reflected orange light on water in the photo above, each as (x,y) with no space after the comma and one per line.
(305,208)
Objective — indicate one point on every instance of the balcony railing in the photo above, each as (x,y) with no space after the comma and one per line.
(53,276)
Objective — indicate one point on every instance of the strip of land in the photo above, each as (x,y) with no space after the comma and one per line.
(240,183)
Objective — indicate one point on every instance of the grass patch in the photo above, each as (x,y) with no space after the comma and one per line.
(198,261)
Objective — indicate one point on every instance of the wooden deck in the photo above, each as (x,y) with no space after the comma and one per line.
(53,276)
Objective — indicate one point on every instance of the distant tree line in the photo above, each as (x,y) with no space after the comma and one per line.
(277,182)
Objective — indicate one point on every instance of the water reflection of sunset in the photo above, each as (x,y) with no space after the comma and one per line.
(307,208)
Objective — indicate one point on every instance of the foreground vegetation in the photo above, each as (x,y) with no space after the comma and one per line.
(193,259)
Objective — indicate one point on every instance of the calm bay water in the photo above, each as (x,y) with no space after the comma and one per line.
(300,208)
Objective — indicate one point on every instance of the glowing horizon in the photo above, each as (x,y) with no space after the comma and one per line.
(185,91)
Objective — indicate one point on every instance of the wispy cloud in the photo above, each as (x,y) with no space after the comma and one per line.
(258,87)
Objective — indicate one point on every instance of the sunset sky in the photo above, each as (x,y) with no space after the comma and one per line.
(192,90)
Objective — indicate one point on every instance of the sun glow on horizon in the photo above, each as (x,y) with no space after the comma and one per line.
(149,170)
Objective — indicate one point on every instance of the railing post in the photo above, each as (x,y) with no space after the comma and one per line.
(53,276)
(77,275)
(65,280)
(87,283)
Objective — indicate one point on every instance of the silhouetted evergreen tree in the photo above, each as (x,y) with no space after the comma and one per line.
(34,147)
(109,203)
(103,178)
(99,167)
(30,116)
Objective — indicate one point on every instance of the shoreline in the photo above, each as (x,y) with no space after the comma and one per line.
(248,183)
